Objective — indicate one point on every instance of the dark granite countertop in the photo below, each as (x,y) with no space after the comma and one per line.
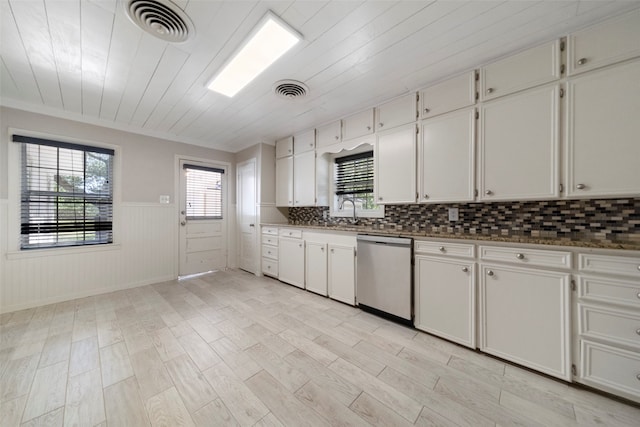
(551,241)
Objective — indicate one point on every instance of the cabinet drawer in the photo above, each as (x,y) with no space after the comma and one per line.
(291,232)
(626,266)
(268,239)
(620,327)
(270,252)
(304,141)
(523,70)
(611,41)
(445,249)
(270,267)
(523,256)
(284,147)
(607,290)
(611,369)
(449,95)
(270,230)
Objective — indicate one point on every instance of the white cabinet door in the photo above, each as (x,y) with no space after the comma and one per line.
(603,133)
(284,181)
(518,156)
(611,41)
(304,141)
(284,147)
(395,165)
(445,299)
(449,95)
(316,267)
(447,160)
(291,261)
(304,179)
(397,112)
(532,67)
(328,134)
(357,125)
(524,317)
(342,273)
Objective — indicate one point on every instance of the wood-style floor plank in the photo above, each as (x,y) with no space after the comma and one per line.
(123,404)
(85,400)
(47,391)
(167,409)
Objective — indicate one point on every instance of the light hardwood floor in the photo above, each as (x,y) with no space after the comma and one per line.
(232,349)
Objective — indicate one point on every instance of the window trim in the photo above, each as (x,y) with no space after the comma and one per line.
(14,180)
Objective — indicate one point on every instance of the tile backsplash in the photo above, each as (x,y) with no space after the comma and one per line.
(600,220)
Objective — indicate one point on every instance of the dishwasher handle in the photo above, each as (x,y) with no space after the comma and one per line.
(384,240)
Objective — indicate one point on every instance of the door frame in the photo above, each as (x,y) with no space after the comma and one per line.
(257,261)
(225,203)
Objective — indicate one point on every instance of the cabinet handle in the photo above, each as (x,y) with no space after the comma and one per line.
(490,273)
(299,245)
(638,295)
(520,256)
(582,61)
(581,186)
(488,192)
(337,137)
(638,377)
(297,201)
(465,269)
(426,196)
(289,150)
(441,249)
(379,198)
(368,127)
(426,110)
(489,90)
(638,331)
(183,223)
(268,267)
(380,125)
(332,251)
(321,249)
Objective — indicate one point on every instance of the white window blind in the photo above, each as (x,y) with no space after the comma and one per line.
(66,194)
(204,192)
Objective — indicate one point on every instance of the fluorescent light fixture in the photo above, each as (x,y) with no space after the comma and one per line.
(268,41)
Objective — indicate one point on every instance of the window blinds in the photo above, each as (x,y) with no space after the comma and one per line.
(354,174)
(204,192)
(66,194)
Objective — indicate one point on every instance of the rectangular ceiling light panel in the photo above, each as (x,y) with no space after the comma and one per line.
(271,39)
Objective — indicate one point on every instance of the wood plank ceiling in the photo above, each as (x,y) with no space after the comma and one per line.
(84,59)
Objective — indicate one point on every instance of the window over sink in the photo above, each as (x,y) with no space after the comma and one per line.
(353,185)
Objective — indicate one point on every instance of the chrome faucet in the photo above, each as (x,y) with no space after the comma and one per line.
(354,220)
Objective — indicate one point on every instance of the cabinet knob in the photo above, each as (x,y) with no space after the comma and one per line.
(489,90)
(183,223)
(638,295)
(520,256)
(638,331)
(268,267)
(297,201)
(332,251)
(289,150)
(488,192)
(638,377)
(582,61)
(379,198)
(337,137)
(465,269)
(311,144)
(299,245)
(321,249)
(581,186)
(441,249)
(426,110)
(380,125)
(426,196)
(368,127)
(490,273)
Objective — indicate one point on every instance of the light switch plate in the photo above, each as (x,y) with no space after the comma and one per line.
(164,199)
(453,214)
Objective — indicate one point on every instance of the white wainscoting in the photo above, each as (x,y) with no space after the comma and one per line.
(145,252)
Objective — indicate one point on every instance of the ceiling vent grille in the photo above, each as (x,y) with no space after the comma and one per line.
(290,89)
(160,18)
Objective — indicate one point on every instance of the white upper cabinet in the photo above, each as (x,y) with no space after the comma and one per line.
(452,94)
(395,165)
(284,181)
(304,179)
(357,125)
(532,67)
(518,155)
(397,112)
(304,141)
(603,133)
(611,41)
(447,161)
(284,147)
(328,134)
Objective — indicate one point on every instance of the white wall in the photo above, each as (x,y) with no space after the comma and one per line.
(146,247)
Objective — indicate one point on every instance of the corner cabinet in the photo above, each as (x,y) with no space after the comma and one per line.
(519,146)
(603,133)
(395,165)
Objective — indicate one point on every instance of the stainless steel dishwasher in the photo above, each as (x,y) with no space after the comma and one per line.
(385,276)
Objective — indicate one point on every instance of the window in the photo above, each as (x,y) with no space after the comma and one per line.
(354,183)
(66,196)
(204,192)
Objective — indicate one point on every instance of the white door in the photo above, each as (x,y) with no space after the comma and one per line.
(246,182)
(203,211)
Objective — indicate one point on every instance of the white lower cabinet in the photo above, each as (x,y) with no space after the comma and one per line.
(316,267)
(291,261)
(525,317)
(342,273)
(445,298)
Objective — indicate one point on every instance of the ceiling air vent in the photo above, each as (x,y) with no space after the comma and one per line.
(290,89)
(160,18)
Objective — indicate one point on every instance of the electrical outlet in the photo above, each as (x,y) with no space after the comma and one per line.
(453,214)
(164,199)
